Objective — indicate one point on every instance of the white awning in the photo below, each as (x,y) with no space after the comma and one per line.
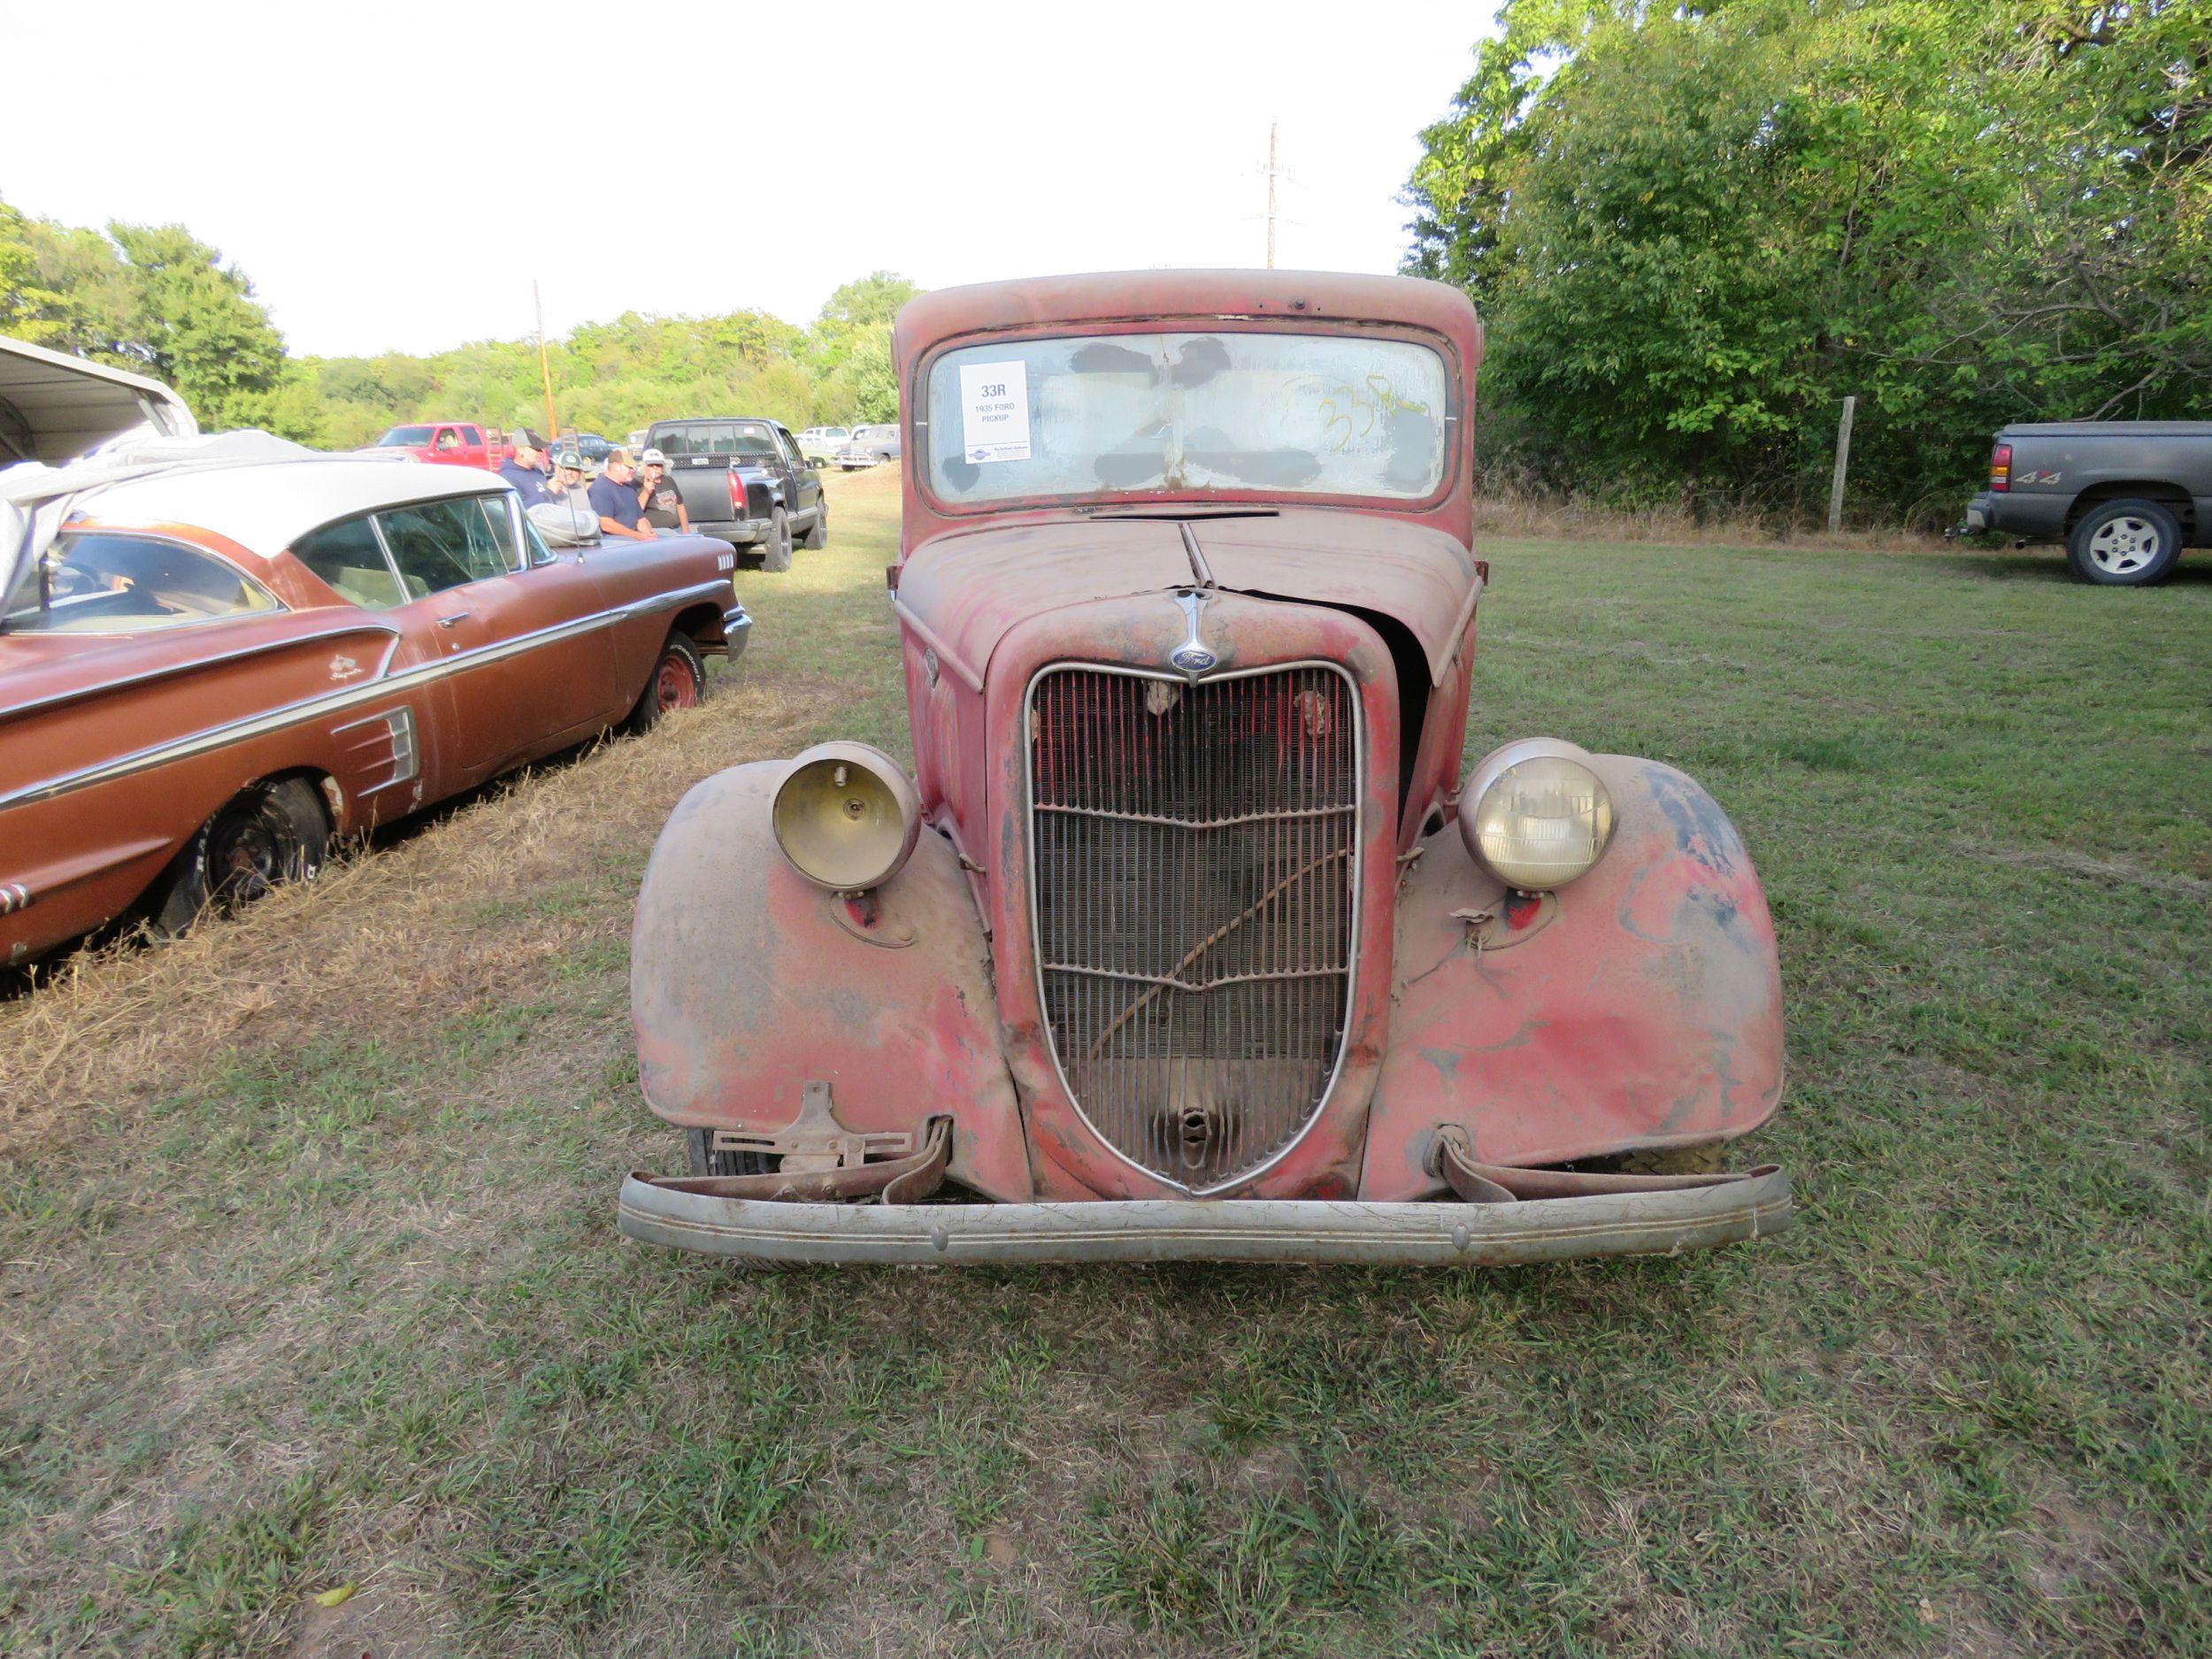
(54,407)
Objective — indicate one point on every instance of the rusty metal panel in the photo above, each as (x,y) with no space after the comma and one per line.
(1641,1008)
(746,982)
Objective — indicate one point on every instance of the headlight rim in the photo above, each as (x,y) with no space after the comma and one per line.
(888,773)
(1492,768)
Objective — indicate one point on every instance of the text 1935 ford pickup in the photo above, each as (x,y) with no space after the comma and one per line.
(217,655)
(1191,938)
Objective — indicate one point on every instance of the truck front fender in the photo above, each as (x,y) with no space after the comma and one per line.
(1640,1006)
(746,982)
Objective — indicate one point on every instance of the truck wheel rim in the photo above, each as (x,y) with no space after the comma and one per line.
(2123,546)
(675,685)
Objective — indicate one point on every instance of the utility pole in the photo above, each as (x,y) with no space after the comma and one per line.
(1843,466)
(545,371)
(1272,171)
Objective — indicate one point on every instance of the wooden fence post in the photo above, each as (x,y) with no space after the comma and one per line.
(1843,466)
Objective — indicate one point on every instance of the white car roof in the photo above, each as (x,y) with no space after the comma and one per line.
(268,506)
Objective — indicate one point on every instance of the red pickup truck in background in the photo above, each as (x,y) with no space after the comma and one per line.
(451,442)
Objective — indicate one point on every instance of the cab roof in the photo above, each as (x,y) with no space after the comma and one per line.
(1296,297)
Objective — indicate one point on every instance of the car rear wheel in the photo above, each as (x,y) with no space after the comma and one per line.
(679,680)
(265,834)
(2125,545)
(817,532)
(776,551)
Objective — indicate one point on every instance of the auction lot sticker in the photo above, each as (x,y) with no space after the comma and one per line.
(995,410)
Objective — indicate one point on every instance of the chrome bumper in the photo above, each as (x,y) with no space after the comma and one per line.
(737,628)
(1437,1233)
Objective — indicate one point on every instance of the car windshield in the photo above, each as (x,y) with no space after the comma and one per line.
(1087,415)
(405,436)
(716,437)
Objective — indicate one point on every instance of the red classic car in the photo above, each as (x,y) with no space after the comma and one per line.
(218,654)
(1191,937)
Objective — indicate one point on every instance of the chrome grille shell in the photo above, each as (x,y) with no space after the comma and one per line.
(1201,957)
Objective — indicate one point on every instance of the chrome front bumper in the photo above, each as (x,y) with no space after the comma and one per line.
(737,629)
(1435,1234)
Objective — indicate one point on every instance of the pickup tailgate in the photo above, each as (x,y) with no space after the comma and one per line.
(703,482)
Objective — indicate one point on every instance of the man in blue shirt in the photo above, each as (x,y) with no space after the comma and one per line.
(614,498)
(524,468)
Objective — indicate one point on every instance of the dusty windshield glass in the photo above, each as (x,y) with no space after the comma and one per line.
(1305,414)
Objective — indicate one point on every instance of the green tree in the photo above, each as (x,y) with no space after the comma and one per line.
(1694,231)
(154,299)
(29,310)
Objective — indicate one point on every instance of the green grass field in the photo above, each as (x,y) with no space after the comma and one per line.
(311,1277)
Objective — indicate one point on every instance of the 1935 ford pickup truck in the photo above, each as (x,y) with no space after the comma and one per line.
(1192,936)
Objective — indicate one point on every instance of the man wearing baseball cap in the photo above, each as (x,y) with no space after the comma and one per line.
(526,468)
(614,498)
(657,494)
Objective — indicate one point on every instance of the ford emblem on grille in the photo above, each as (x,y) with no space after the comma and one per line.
(1191,657)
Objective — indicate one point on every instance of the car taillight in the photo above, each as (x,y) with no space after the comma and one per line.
(2000,467)
(737,492)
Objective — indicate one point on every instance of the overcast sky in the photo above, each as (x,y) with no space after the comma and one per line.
(392,177)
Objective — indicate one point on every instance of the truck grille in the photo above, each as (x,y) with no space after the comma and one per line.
(1196,851)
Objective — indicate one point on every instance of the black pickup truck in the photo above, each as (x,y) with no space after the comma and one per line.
(743,479)
(2124,496)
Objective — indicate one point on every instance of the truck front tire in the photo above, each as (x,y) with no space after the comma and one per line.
(2125,545)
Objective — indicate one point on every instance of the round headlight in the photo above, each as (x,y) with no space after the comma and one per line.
(846,817)
(1540,815)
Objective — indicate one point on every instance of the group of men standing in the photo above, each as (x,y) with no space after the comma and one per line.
(630,504)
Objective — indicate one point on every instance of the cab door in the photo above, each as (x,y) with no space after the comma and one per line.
(805,484)
(522,634)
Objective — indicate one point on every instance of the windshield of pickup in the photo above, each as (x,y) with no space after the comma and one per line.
(715,437)
(1302,414)
(406,437)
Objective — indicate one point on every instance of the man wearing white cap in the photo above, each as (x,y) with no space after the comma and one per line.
(657,494)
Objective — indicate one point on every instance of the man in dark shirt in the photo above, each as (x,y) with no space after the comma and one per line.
(657,494)
(614,498)
(524,469)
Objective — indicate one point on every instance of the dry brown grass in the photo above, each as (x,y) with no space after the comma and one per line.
(388,932)
(1510,516)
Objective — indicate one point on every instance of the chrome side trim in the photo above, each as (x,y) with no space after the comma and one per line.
(14,897)
(1359,869)
(353,697)
(1441,1233)
(146,676)
(399,728)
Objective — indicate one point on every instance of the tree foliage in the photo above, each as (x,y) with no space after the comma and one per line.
(1694,231)
(153,299)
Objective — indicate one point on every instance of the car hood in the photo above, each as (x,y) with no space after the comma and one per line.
(969,588)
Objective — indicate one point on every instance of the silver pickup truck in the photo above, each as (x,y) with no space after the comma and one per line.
(2124,496)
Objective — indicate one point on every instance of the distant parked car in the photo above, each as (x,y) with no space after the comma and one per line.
(594,448)
(820,445)
(449,442)
(216,666)
(746,481)
(2124,496)
(869,445)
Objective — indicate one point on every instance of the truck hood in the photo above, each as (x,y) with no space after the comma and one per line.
(966,589)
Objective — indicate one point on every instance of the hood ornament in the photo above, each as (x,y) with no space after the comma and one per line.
(1191,657)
